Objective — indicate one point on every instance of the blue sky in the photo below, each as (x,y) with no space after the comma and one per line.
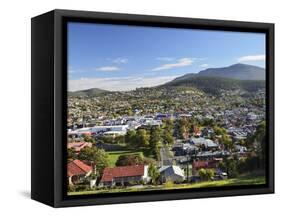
(120,57)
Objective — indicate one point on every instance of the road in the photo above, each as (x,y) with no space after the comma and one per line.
(166,157)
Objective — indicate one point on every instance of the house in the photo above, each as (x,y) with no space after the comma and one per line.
(77,146)
(171,173)
(78,171)
(207,143)
(124,175)
(204,164)
(240,148)
(212,154)
(189,148)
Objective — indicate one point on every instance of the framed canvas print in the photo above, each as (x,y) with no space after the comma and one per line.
(134,108)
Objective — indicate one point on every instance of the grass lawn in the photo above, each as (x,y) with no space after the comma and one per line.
(114,155)
(243,180)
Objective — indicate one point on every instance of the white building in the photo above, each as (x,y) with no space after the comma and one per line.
(171,173)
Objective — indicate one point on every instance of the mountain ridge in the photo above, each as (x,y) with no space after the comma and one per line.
(88,92)
(237,71)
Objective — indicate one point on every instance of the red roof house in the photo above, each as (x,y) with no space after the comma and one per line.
(124,174)
(77,146)
(77,171)
(204,164)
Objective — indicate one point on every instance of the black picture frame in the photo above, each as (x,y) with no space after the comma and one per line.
(49,108)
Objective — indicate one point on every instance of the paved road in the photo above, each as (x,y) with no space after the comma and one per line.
(166,158)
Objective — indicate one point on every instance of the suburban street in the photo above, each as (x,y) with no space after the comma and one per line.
(166,158)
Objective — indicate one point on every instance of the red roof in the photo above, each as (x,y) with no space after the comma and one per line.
(125,171)
(78,145)
(200,164)
(77,167)
(204,164)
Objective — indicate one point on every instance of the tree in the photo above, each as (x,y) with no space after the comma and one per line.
(219,131)
(226,141)
(129,160)
(95,155)
(168,132)
(71,153)
(182,128)
(250,164)
(153,173)
(130,137)
(206,174)
(155,140)
(230,166)
(142,138)
(88,138)
(260,139)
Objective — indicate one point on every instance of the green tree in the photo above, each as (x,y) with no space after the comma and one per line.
(130,137)
(95,155)
(168,132)
(206,174)
(182,129)
(219,131)
(88,138)
(155,140)
(71,154)
(230,166)
(226,141)
(260,140)
(129,160)
(153,173)
(142,138)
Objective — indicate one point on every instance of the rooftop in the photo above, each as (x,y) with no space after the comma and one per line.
(77,167)
(125,171)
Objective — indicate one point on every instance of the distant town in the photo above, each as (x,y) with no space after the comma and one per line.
(194,132)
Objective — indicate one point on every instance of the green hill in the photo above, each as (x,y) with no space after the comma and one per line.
(213,85)
(88,92)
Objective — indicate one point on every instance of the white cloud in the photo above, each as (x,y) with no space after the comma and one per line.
(251,58)
(108,68)
(118,83)
(204,65)
(120,60)
(180,63)
(165,58)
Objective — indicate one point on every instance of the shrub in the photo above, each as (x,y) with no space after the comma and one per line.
(169,184)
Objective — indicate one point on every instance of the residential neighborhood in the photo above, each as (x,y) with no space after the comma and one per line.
(138,143)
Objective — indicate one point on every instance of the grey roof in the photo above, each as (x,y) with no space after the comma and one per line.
(170,170)
(201,140)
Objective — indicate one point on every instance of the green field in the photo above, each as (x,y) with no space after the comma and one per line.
(114,155)
(244,180)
